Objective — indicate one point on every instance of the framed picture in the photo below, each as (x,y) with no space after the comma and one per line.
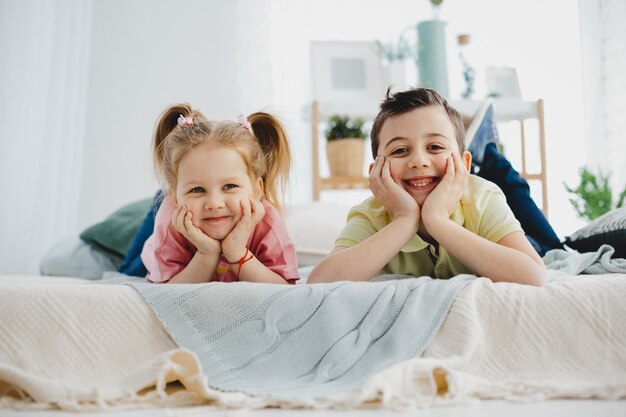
(347,72)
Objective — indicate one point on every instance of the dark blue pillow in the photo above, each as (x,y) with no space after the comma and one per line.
(609,229)
(132,264)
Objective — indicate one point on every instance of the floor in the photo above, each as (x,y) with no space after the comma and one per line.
(571,408)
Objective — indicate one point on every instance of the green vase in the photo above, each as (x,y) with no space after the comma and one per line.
(432,63)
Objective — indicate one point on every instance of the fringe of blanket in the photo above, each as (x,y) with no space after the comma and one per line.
(182,366)
(408,386)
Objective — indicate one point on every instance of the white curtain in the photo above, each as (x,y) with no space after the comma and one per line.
(43,82)
(604,61)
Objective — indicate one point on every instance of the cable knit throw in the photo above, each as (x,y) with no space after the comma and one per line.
(304,341)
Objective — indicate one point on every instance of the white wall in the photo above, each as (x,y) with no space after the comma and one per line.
(604,52)
(148,54)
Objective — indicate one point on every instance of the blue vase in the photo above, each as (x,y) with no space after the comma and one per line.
(432,63)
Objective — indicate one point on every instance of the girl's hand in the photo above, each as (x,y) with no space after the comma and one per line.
(391,195)
(234,245)
(182,222)
(445,198)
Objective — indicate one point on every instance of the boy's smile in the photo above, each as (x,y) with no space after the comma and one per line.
(417,145)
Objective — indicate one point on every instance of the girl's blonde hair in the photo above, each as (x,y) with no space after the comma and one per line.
(264,149)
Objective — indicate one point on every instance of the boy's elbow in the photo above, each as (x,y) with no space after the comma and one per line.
(540,276)
(314,277)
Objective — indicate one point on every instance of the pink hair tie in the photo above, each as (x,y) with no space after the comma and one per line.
(244,122)
(184,121)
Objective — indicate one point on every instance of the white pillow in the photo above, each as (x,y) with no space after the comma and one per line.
(71,257)
(313,228)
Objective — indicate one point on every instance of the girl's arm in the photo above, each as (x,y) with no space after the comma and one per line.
(366,259)
(236,253)
(254,271)
(512,259)
(203,264)
(199,270)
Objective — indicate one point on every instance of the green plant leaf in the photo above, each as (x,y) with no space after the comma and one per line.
(593,196)
(342,127)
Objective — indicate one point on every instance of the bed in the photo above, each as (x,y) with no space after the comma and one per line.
(78,344)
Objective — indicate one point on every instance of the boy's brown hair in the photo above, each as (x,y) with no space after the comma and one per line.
(405,101)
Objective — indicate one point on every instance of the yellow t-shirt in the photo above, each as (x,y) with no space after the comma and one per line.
(483,210)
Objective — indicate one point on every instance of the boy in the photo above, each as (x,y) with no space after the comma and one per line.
(428,215)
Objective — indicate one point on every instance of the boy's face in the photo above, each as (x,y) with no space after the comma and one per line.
(212,182)
(417,145)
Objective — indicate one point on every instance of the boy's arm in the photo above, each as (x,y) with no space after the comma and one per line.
(512,259)
(364,260)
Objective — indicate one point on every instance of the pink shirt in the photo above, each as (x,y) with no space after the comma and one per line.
(167,252)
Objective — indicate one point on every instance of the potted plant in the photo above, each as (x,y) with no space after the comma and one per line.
(593,196)
(345,146)
(394,57)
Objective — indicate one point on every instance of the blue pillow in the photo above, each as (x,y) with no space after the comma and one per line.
(132,264)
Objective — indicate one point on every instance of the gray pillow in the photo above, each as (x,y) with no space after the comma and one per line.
(71,257)
(608,229)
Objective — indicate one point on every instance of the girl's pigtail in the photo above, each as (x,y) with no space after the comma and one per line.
(272,137)
(168,121)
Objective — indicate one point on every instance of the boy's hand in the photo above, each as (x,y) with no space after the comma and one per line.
(182,221)
(234,245)
(391,195)
(445,198)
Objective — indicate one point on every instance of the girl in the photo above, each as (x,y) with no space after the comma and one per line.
(219,221)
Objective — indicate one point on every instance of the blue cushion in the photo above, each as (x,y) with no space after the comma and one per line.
(132,264)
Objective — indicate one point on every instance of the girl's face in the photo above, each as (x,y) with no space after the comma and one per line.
(212,182)
(417,145)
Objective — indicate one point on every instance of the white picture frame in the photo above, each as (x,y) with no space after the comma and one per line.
(502,82)
(347,73)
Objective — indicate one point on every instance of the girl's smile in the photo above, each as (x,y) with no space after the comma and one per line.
(216,220)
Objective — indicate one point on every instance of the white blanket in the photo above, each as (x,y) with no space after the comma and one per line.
(82,346)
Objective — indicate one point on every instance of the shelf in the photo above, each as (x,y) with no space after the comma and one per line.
(504,109)
(343,183)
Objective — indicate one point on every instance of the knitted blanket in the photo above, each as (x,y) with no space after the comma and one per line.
(302,342)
